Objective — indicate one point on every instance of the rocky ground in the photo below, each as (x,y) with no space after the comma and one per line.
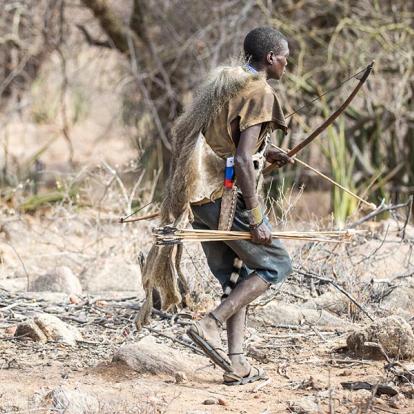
(337,337)
(70,282)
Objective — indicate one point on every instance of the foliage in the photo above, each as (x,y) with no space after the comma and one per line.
(335,40)
(32,203)
(342,166)
(166,47)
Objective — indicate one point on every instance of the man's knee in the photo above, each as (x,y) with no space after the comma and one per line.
(281,272)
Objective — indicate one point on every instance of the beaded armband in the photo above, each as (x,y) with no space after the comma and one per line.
(255,217)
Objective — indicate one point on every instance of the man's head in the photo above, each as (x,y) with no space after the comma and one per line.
(267,49)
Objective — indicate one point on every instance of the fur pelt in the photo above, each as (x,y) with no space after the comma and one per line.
(220,86)
(162,270)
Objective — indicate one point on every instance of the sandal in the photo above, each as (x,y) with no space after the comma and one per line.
(255,374)
(195,332)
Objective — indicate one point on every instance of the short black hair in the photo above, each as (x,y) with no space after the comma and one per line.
(260,41)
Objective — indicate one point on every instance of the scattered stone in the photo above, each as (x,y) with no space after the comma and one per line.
(62,400)
(397,402)
(258,354)
(222,402)
(312,383)
(61,279)
(149,356)
(47,327)
(10,330)
(30,330)
(74,300)
(180,377)
(332,301)
(280,313)
(393,333)
(210,401)
(305,405)
(56,330)
(101,303)
(363,395)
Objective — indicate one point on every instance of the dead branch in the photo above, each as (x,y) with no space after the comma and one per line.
(113,26)
(91,40)
(334,284)
(137,22)
(193,348)
(382,208)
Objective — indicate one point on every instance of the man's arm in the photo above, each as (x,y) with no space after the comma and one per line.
(246,179)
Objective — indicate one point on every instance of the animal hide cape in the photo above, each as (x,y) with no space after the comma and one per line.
(193,165)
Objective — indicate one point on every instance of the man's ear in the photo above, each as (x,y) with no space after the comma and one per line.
(270,57)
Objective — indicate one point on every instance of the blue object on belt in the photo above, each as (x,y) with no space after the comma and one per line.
(229,173)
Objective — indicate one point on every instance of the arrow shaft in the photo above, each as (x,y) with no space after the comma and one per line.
(346,190)
(367,203)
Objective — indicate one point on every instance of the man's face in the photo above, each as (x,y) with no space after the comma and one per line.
(277,61)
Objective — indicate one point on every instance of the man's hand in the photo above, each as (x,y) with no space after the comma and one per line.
(277,157)
(261,234)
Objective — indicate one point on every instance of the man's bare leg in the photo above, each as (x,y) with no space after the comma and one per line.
(236,327)
(243,294)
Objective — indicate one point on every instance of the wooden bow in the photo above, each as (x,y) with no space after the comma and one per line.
(327,122)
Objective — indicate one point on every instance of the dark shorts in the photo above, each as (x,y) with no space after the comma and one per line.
(272,263)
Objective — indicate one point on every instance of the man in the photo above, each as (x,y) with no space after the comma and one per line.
(240,129)
(229,120)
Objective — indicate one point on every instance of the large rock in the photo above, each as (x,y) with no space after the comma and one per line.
(331,301)
(149,356)
(63,400)
(57,330)
(60,279)
(393,333)
(280,313)
(115,274)
(401,297)
(45,327)
(305,405)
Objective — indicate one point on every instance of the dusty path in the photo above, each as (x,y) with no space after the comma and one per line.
(304,367)
(304,373)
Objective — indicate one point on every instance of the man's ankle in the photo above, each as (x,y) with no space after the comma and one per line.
(240,363)
(237,356)
(217,321)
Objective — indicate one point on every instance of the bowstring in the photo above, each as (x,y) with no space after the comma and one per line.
(325,93)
